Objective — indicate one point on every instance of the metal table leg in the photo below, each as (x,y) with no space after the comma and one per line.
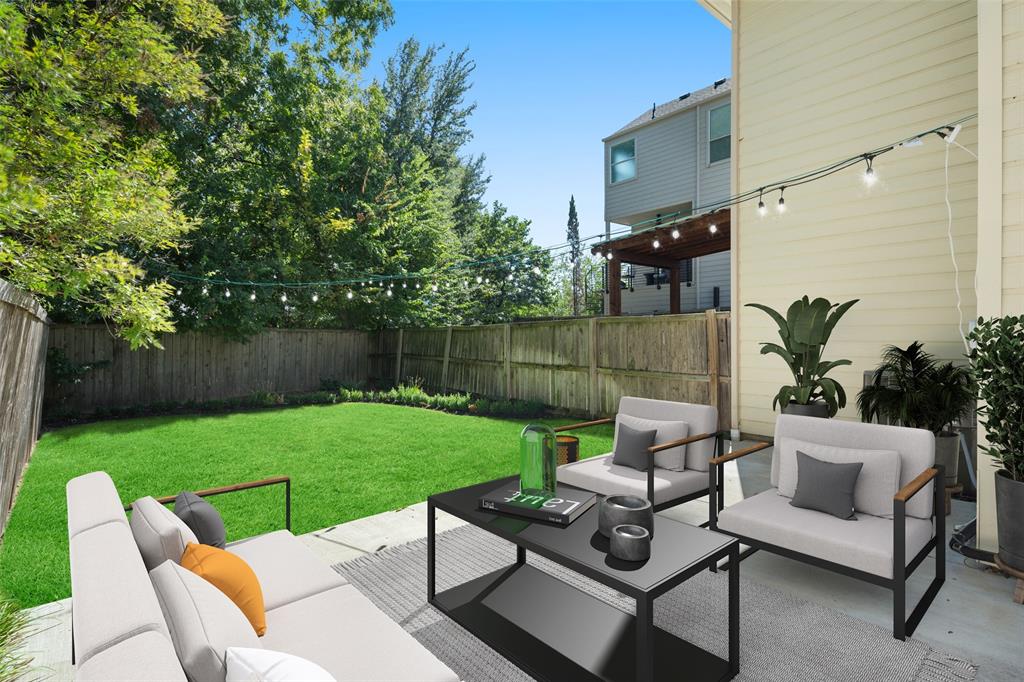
(430,551)
(520,555)
(645,639)
(734,609)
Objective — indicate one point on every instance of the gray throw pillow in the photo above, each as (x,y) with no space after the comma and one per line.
(826,486)
(202,518)
(631,447)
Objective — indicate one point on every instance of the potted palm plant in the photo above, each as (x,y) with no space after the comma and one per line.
(911,389)
(804,331)
(997,361)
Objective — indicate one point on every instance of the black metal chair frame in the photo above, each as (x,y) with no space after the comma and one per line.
(903,626)
(654,449)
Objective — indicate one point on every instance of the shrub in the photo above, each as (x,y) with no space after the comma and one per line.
(14,628)
(314,398)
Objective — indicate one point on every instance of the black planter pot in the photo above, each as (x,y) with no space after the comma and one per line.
(815,409)
(1010,519)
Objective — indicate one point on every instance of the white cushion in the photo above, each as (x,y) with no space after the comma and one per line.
(202,621)
(673,458)
(92,501)
(287,569)
(916,448)
(263,665)
(701,418)
(343,632)
(599,475)
(878,481)
(146,657)
(160,535)
(864,544)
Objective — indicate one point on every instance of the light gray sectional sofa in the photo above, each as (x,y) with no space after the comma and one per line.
(169,624)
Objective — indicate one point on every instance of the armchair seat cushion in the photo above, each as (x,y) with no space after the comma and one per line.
(601,476)
(286,568)
(865,545)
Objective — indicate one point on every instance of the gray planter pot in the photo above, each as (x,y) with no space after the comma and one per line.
(815,409)
(947,453)
(1010,518)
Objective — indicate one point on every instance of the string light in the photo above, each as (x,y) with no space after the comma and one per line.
(479,279)
(205,291)
(315,297)
(869,173)
(712,228)
(433,287)
(404,285)
(179,292)
(536,269)
(252,296)
(284,298)
(227,293)
(656,244)
(417,285)
(389,293)
(761,210)
(782,200)
(349,295)
(675,233)
(610,255)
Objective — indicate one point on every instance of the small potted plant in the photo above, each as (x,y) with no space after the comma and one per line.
(997,361)
(804,331)
(911,389)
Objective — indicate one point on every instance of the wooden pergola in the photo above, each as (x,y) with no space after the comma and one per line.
(699,235)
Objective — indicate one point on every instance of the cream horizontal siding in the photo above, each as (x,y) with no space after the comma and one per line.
(1013,157)
(817,82)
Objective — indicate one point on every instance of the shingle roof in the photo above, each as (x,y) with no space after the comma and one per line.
(681,103)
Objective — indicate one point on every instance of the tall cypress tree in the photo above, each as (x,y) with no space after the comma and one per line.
(572,236)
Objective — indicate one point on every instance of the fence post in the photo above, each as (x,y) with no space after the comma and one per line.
(592,394)
(508,361)
(444,364)
(398,358)
(713,364)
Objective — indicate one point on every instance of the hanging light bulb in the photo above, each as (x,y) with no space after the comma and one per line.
(349,295)
(761,210)
(389,293)
(712,228)
(252,296)
(417,285)
(656,244)
(227,293)
(479,279)
(316,297)
(869,173)
(433,287)
(536,269)
(610,255)
(284,297)
(404,285)
(205,291)
(675,234)
(782,201)
(487,280)
(465,283)
(179,292)
(509,277)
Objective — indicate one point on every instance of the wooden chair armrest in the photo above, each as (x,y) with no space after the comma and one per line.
(736,454)
(581,425)
(235,487)
(912,488)
(679,441)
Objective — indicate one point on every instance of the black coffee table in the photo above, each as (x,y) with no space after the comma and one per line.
(556,632)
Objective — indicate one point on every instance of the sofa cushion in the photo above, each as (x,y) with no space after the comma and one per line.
(203,622)
(701,419)
(160,535)
(865,545)
(826,486)
(201,516)
(263,665)
(343,632)
(112,595)
(287,569)
(673,458)
(878,481)
(146,657)
(92,501)
(601,476)
(631,447)
(231,575)
(916,448)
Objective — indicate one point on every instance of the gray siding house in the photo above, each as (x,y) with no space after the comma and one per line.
(672,159)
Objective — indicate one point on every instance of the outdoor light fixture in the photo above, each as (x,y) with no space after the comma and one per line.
(479,279)
(761,210)
(675,234)
(433,287)
(252,296)
(205,291)
(656,244)
(227,293)
(316,297)
(536,269)
(179,292)
(349,295)
(782,201)
(610,255)
(389,292)
(869,173)
(284,298)
(712,228)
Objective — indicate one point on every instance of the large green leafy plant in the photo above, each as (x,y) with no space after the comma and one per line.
(910,388)
(804,330)
(997,361)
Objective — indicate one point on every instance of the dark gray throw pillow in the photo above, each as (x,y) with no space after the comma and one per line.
(631,447)
(825,486)
(201,517)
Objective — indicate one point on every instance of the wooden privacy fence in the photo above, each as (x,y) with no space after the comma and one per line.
(22,375)
(581,366)
(199,367)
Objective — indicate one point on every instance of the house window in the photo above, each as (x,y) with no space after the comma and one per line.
(719,137)
(623,161)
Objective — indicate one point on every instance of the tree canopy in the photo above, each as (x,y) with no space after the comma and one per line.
(178,184)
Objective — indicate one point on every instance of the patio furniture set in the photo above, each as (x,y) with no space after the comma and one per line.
(137,612)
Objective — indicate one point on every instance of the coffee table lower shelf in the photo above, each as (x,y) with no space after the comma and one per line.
(556,632)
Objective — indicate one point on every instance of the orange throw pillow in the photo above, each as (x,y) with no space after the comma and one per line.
(231,575)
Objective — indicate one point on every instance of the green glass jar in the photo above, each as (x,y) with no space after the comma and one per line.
(537,460)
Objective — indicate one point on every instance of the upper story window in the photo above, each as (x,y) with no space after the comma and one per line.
(623,161)
(719,135)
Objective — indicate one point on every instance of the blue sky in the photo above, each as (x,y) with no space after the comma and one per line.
(553,78)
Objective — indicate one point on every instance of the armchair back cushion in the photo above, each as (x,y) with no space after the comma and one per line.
(878,481)
(673,458)
(916,448)
(700,418)
(159,534)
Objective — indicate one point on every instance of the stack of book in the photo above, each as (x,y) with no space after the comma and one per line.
(563,508)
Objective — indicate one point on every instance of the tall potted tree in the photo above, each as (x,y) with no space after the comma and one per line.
(804,331)
(997,361)
(911,389)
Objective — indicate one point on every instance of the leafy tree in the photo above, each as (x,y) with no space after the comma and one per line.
(575,253)
(85,178)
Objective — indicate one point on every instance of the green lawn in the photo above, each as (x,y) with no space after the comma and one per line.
(346,461)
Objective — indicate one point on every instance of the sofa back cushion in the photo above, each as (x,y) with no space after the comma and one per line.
(160,535)
(878,481)
(665,431)
(203,622)
(916,448)
(700,418)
